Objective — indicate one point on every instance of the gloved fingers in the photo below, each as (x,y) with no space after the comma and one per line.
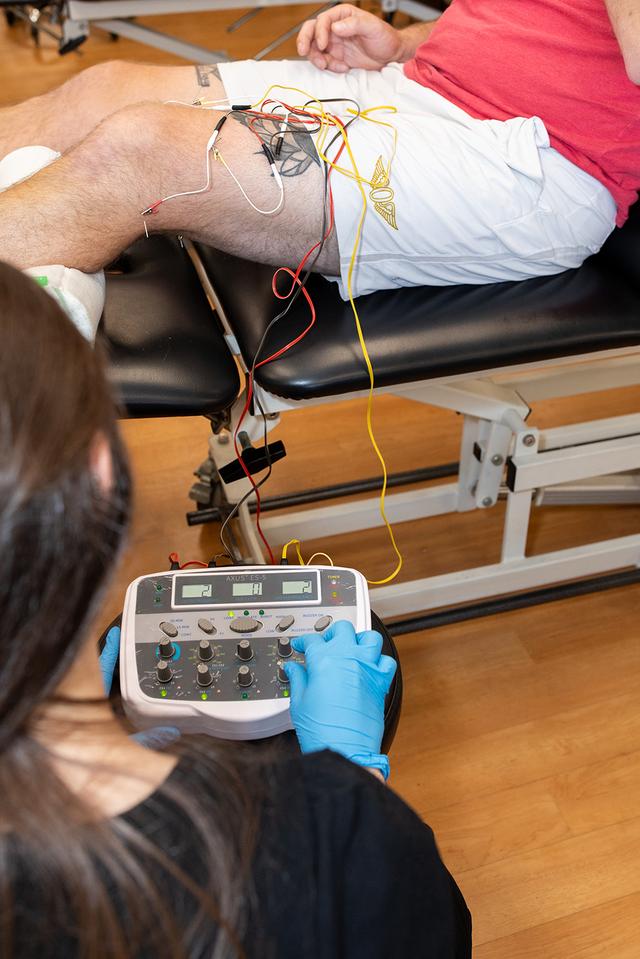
(370,643)
(302,643)
(341,636)
(297,675)
(109,657)
(157,737)
(388,665)
(386,670)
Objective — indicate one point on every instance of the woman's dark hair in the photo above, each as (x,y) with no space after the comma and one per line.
(60,534)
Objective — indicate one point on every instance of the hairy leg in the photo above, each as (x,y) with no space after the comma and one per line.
(84,209)
(66,115)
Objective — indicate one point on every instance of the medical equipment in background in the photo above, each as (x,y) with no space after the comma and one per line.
(70,21)
(204,650)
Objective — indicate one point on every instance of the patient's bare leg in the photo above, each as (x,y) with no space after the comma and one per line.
(86,208)
(64,116)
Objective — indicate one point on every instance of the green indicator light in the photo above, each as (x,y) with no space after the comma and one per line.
(163,692)
(246,612)
(203,696)
(261,612)
(245,695)
(158,587)
(285,693)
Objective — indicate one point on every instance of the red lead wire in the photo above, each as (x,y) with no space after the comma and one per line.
(274,356)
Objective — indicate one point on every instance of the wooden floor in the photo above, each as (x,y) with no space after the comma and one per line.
(520,736)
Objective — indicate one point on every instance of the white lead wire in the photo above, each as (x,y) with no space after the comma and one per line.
(277,177)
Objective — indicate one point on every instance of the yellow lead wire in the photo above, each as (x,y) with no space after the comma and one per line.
(297,544)
(365,352)
(356,176)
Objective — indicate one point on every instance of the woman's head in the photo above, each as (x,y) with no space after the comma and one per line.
(64,495)
(64,499)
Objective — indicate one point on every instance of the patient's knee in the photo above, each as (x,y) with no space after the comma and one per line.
(105,78)
(136,130)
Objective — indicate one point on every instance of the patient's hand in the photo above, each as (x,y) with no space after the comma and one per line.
(345,38)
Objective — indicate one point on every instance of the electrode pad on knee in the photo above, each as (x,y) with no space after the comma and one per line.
(23,163)
(81,295)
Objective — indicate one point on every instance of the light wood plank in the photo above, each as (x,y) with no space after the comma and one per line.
(599,794)
(554,882)
(609,931)
(514,755)
(488,829)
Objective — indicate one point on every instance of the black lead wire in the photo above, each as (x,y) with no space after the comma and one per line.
(298,291)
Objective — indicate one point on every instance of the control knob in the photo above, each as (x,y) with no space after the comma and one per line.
(244,676)
(205,651)
(284,647)
(163,671)
(203,675)
(282,676)
(243,625)
(167,649)
(244,649)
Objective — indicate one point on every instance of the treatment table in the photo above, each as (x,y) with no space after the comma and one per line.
(487,352)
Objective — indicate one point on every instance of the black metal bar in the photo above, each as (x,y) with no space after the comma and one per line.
(407,478)
(503,604)
(212,514)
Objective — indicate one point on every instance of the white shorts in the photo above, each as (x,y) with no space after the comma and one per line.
(468,201)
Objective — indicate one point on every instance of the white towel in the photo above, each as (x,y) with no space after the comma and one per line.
(81,295)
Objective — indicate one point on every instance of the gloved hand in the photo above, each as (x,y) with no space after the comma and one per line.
(154,738)
(337,697)
(109,657)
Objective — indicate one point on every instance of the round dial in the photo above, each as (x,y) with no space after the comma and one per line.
(167,649)
(284,646)
(244,676)
(203,675)
(205,652)
(244,649)
(163,671)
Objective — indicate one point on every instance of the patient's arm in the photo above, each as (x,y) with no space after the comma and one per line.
(412,37)
(625,19)
(346,38)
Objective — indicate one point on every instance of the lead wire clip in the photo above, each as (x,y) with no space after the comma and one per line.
(150,210)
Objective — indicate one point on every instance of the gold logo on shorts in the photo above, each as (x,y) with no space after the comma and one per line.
(382,194)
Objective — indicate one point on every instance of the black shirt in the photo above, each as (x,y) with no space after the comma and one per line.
(343,869)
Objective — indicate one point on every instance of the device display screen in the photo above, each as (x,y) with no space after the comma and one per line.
(246,589)
(297,587)
(197,590)
(273,588)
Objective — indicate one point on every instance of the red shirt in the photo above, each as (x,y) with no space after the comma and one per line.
(555,59)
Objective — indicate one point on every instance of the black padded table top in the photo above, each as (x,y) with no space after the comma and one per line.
(422,333)
(168,355)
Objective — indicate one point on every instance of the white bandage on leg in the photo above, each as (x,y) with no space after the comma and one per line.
(81,295)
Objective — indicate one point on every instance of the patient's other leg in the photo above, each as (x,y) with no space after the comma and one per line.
(86,208)
(64,116)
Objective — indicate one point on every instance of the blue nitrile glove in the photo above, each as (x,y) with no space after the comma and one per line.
(337,697)
(109,657)
(154,738)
